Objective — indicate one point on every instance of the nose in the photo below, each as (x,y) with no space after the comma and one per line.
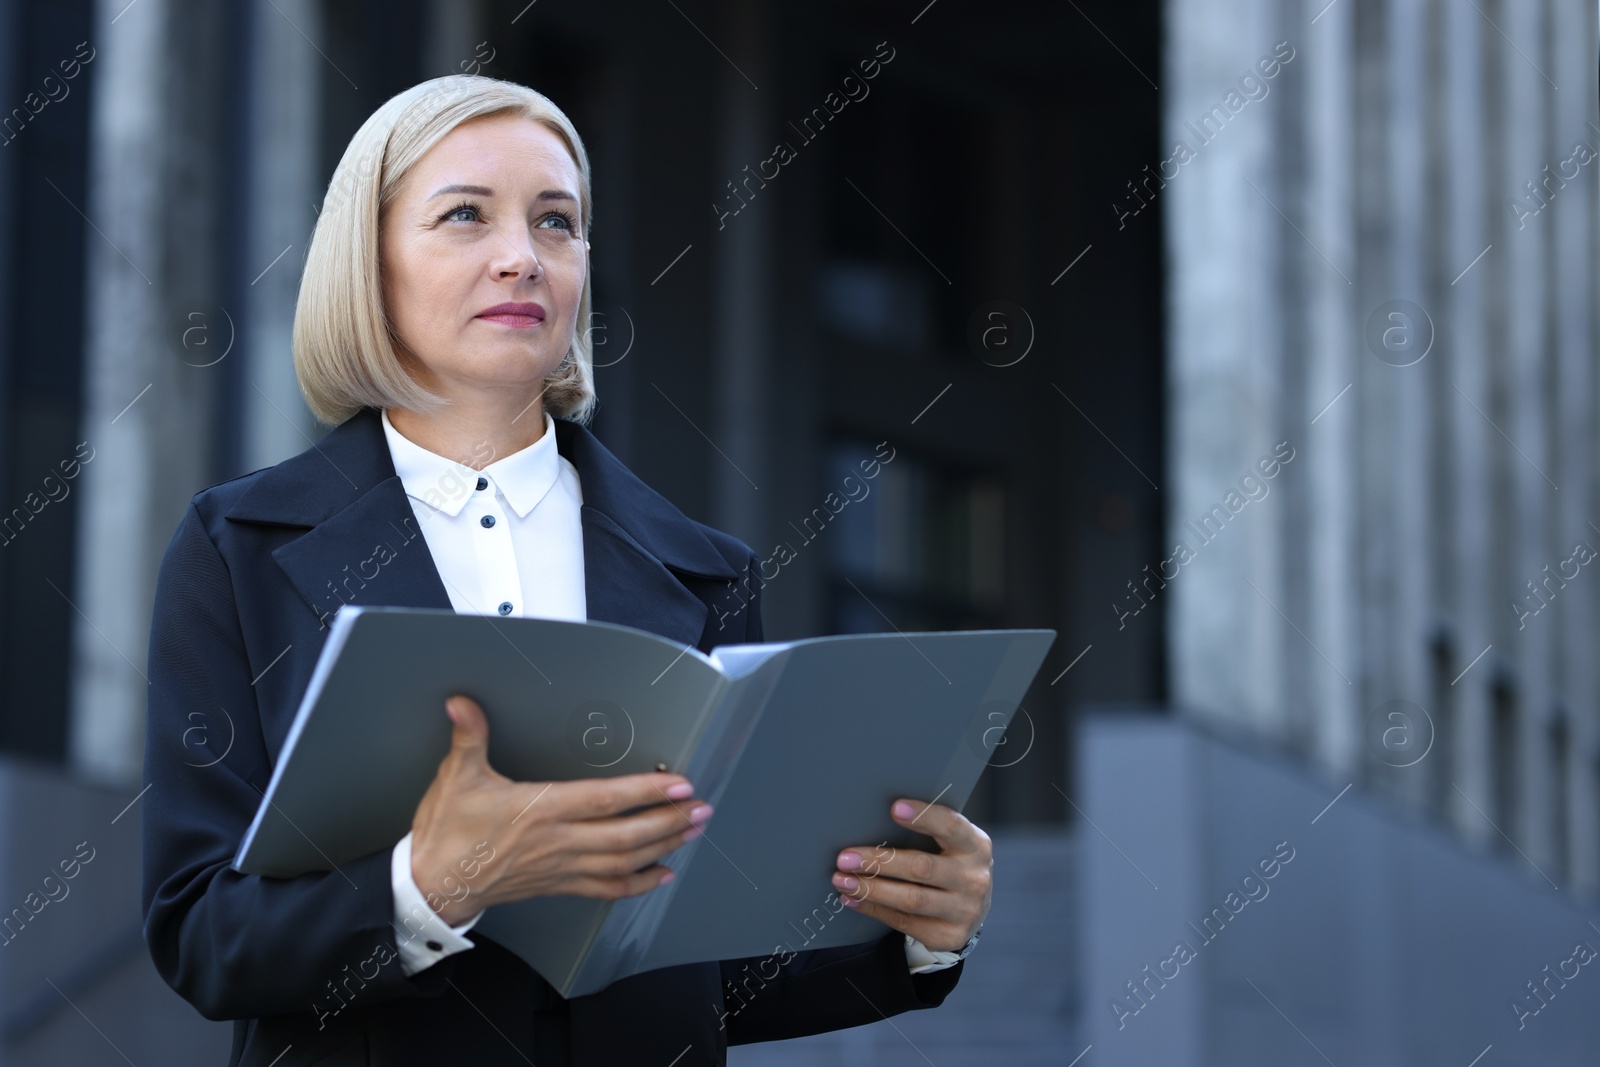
(517,257)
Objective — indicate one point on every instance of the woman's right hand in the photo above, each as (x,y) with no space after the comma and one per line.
(480,838)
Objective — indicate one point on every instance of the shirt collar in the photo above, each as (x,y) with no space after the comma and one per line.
(523,478)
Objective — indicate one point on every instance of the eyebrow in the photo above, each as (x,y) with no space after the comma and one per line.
(480,190)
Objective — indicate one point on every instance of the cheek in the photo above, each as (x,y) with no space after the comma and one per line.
(398,289)
(425,290)
(569,289)
(400,302)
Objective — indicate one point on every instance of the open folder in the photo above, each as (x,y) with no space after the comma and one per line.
(801,746)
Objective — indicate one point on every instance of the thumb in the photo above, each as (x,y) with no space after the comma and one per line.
(469,740)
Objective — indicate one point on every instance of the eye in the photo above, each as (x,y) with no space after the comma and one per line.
(460,208)
(563,217)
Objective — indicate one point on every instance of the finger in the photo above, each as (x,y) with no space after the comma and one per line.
(469,736)
(615,888)
(594,798)
(624,832)
(936,934)
(915,898)
(904,864)
(614,864)
(953,831)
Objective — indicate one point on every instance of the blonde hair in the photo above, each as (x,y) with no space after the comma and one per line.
(344,348)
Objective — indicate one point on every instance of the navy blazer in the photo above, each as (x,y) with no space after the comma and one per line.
(257,567)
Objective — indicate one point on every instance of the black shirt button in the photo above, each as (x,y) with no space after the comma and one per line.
(434,946)
(505,608)
(486,522)
(483,483)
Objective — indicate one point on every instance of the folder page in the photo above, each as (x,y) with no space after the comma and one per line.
(564,700)
(856,722)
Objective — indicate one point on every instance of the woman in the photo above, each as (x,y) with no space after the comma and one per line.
(438,328)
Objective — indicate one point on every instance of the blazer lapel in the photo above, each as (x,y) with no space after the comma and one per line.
(623,583)
(633,539)
(364,545)
(369,552)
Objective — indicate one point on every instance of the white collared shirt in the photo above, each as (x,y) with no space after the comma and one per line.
(506,540)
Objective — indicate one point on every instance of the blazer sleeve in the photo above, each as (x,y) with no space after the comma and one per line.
(239,946)
(822,989)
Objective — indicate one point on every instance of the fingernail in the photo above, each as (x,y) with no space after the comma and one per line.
(849,861)
(691,833)
(902,810)
(665,878)
(844,881)
(700,814)
(681,791)
(851,902)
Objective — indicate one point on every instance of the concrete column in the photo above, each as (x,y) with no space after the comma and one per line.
(741,256)
(1463,337)
(1377,395)
(139,404)
(1224,241)
(1576,121)
(1334,348)
(1410,411)
(1531,504)
(10,35)
(281,187)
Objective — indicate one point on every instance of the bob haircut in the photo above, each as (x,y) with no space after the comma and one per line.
(345,354)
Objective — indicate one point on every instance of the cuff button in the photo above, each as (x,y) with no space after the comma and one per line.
(434,946)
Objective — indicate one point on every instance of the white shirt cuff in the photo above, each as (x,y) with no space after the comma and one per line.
(422,937)
(924,960)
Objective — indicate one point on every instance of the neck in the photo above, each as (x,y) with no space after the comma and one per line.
(473,431)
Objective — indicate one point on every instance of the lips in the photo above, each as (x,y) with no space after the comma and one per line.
(522,315)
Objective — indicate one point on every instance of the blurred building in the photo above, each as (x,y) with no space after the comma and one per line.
(1384,253)
(1382,246)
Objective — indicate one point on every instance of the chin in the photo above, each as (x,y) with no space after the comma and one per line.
(517,364)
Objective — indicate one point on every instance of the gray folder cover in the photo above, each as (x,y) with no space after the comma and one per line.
(800,746)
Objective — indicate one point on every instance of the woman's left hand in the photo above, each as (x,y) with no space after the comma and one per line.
(938,898)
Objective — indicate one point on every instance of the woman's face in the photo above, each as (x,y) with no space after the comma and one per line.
(489,216)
